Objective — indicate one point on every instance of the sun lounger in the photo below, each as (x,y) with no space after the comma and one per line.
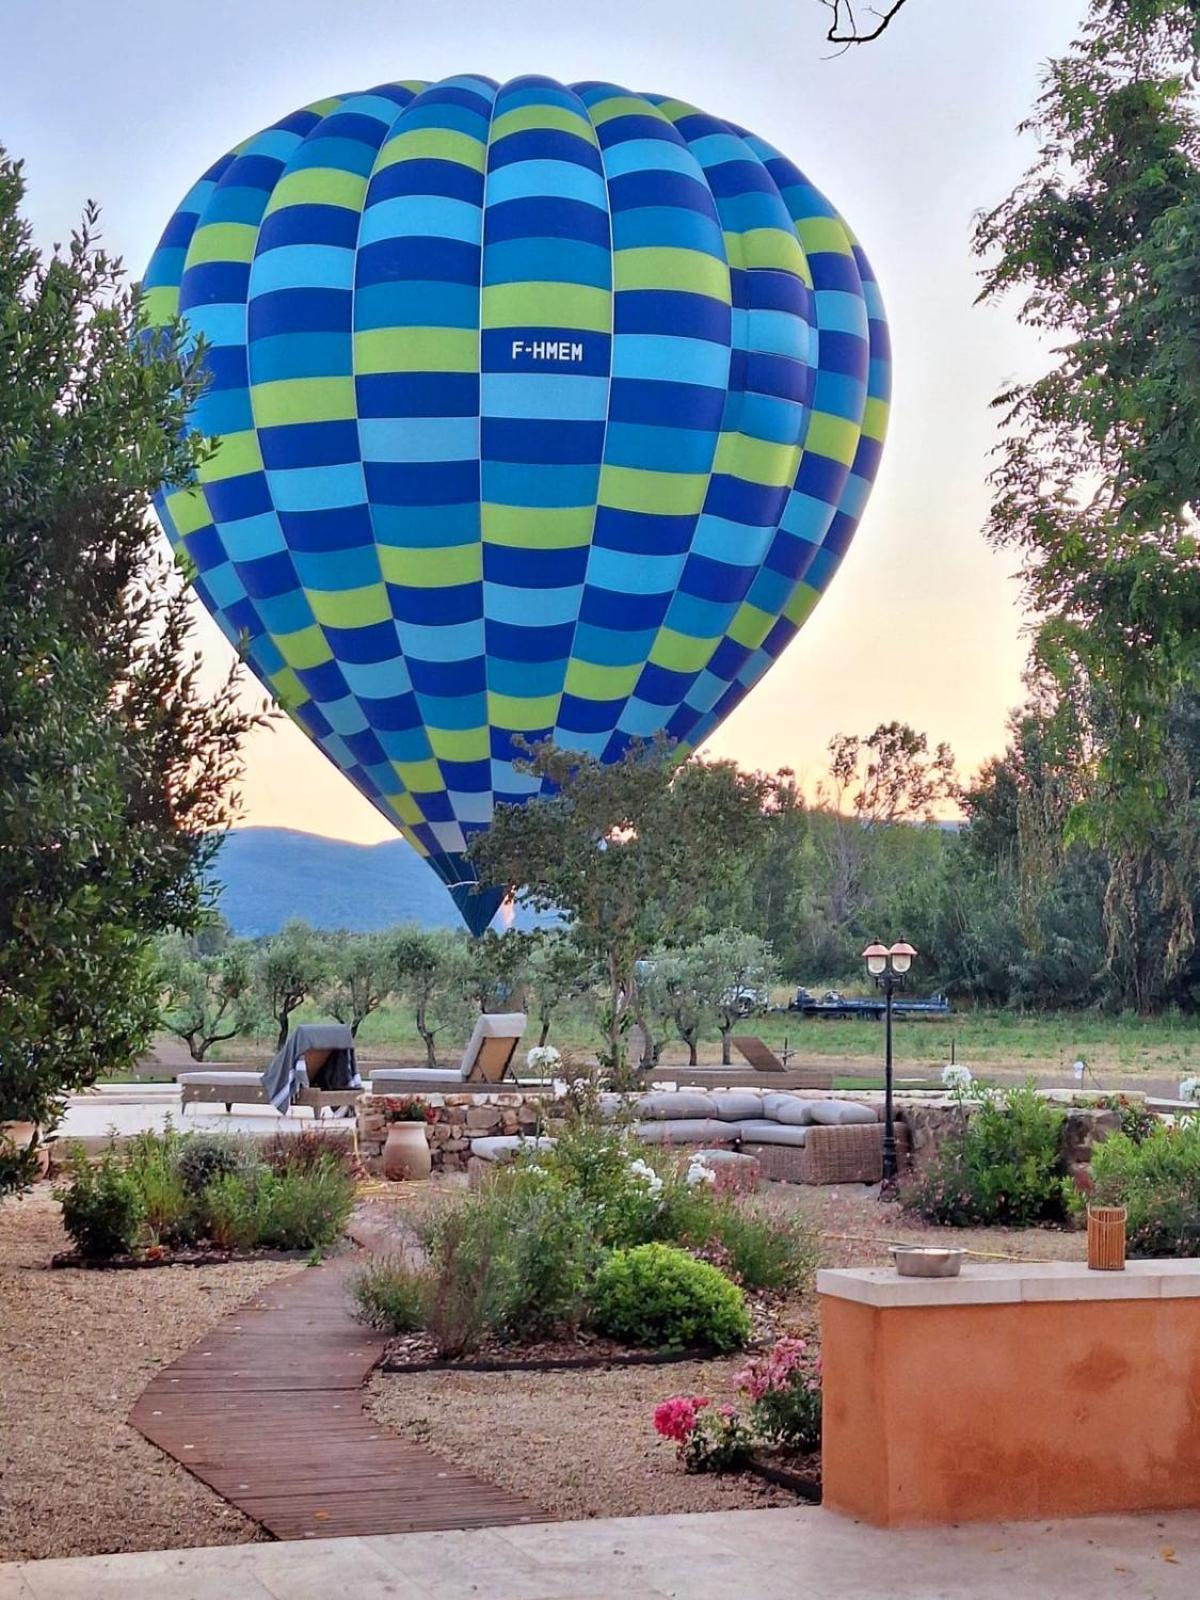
(315,1068)
(486,1062)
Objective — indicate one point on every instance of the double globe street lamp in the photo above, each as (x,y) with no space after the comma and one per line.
(890,969)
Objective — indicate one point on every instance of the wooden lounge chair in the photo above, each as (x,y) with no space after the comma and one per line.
(486,1062)
(760,1056)
(765,1070)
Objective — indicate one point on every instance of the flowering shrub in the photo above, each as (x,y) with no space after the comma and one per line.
(1004,1167)
(407,1108)
(784,1387)
(543,1059)
(1158,1180)
(1189,1089)
(699,1171)
(957,1079)
(707,1438)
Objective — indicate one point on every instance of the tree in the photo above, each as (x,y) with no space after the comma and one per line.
(559,972)
(847,28)
(497,965)
(116,773)
(628,852)
(290,967)
(1098,476)
(430,969)
(740,968)
(206,998)
(357,978)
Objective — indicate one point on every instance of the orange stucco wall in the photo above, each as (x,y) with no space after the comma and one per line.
(965,1413)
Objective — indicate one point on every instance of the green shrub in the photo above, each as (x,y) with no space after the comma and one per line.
(390,1295)
(1004,1168)
(102,1209)
(1158,1180)
(308,1150)
(168,1211)
(232,1211)
(547,1256)
(659,1296)
(203,1157)
(305,1208)
(466,1246)
(765,1249)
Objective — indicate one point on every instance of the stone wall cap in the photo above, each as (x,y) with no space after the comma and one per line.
(1013,1282)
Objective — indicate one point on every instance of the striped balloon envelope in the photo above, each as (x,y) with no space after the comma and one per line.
(546,412)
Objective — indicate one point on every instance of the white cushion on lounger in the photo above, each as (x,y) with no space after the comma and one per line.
(838,1113)
(222,1080)
(732,1105)
(772,1133)
(386,1080)
(788,1108)
(685,1130)
(674,1103)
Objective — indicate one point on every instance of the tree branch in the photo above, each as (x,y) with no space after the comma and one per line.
(844,28)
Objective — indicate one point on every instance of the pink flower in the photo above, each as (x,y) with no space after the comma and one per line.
(676,1418)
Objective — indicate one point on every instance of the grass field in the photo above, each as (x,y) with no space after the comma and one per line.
(995,1043)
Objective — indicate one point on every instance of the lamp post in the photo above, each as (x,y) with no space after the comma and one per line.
(889,968)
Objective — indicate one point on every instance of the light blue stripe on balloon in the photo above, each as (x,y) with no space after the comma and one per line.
(345,716)
(592,744)
(525,608)
(611,647)
(767,416)
(546,181)
(470,807)
(539,94)
(222,411)
(425,527)
(285,613)
(421,303)
(649,355)
(223,324)
(539,259)
(376,680)
(778,332)
(376,106)
(840,394)
(317,488)
(253,537)
(300,355)
(700,619)
(854,496)
(672,226)
(418,214)
(529,394)
(640,718)
(740,213)
(456,641)
(714,149)
(302,266)
(806,517)
(404,744)
(706,691)
(419,438)
(330,570)
(770,590)
(384,779)
(838,312)
(449,836)
(225,586)
(527,679)
(338,750)
(627,574)
(277,143)
(718,539)
(507,780)
(454,711)
(647,155)
(516,483)
(640,444)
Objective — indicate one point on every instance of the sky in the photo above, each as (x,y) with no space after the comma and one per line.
(126,103)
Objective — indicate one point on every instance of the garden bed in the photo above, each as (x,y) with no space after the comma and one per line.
(575,1443)
(75,1353)
(71,1259)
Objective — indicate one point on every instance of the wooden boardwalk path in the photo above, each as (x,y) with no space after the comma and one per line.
(267,1410)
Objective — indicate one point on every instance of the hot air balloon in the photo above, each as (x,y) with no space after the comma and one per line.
(545,412)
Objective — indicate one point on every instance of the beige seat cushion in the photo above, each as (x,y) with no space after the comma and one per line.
(685,1130)
(221,1080)
(675,1104)
(841,1113)
(766,1132)
(789,1108)
(734,1105)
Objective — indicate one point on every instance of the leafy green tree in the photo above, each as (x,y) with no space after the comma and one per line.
(560,973)
(291,966)
(497,969)
(358,976)
(430,968)
(206,999)
(628,852)
(116,772)
(1099,470)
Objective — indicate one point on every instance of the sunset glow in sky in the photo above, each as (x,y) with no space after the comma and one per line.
(911,136)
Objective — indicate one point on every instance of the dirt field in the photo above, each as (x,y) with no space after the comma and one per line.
(76,1350)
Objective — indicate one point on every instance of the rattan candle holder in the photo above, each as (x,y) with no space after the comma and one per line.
(1106,1238)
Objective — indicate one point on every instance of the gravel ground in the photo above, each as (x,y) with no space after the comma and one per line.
(580,1444)
(76,1350)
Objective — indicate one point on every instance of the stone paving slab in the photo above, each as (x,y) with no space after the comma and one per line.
(804,1554)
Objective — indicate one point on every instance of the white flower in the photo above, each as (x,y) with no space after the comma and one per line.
(957,1077)
(542,1058)
(699,1171)
(1189,1089)
(646,1175)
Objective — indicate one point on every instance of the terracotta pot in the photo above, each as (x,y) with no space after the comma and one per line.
(406,1153)
(18,1135)
(1106,1238)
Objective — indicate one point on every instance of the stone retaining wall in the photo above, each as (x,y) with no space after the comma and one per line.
(455,1119)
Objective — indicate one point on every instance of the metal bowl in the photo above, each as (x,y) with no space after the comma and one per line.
(926,1261)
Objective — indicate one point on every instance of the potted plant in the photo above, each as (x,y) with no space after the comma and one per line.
(406,1152)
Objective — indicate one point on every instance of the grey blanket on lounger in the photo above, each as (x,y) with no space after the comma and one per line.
(287,1073)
